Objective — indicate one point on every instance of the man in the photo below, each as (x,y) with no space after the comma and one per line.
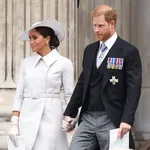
(108,88)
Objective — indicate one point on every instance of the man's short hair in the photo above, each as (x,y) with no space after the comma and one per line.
(108,12)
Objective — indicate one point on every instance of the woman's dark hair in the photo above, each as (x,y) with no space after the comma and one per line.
(46,31)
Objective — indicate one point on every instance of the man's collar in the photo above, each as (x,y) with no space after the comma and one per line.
(110,42)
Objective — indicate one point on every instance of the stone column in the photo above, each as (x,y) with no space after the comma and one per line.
(142,40)
(133,26)
(85,30)
(15,17)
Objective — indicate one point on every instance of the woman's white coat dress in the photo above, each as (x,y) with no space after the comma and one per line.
(38,100)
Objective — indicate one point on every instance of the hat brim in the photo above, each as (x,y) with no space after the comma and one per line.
(55,25)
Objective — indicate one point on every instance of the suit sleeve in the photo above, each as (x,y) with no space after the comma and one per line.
(133,73)
(76,99)
(20,90)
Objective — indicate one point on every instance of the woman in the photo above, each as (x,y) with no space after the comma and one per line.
(37,110)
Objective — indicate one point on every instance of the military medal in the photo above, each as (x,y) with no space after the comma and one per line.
(120,63)
(113,63)
(108,62)
(113,80)
(117,63)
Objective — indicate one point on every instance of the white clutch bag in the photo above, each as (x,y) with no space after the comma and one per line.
(12,147)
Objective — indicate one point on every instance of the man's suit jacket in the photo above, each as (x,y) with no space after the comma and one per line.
(120,100)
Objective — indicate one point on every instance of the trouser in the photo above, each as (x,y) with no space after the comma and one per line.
(92,132)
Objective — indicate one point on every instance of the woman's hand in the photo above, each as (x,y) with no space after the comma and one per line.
(14,130)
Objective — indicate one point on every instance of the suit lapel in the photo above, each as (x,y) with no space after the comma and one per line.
(113,52)
(90,58)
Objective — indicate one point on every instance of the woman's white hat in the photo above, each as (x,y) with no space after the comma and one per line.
(54,24)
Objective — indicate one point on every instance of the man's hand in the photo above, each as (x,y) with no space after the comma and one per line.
(68,124)
(14,130)
(123,129)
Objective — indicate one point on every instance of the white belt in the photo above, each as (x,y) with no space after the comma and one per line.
(40,95)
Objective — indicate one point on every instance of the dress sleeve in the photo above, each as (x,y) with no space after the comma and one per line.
(68,80)
(18,99)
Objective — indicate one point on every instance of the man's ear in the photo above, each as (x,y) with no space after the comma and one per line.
(112,23)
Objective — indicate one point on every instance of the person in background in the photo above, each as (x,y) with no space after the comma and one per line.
(37,111)
(108,89)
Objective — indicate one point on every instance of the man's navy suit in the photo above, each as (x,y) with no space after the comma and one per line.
(120,100)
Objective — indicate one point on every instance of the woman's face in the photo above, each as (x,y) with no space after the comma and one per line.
(37,41)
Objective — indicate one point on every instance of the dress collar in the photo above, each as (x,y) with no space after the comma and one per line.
(49,59)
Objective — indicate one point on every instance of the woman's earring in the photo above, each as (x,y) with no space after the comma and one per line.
(46,43)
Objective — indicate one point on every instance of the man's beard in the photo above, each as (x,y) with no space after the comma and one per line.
(104,37)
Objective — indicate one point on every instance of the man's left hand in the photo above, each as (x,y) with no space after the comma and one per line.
(123,129)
